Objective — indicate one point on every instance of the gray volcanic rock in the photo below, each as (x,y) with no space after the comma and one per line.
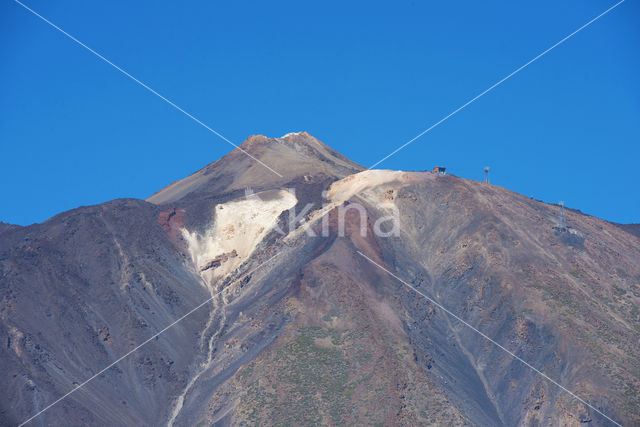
(631,228)
(79,291)
(306,328)
(6,227)
(293,156)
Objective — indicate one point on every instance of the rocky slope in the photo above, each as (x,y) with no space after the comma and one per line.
(298,323)
(6,227)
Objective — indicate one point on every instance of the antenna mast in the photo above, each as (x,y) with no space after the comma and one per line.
(561,219)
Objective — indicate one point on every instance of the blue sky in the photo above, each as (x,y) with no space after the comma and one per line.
(364,77)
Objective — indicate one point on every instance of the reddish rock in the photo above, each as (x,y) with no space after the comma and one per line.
(172,221)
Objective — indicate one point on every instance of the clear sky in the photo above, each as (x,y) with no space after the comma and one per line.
(363,77)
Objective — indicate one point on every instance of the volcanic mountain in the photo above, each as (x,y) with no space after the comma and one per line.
(316,292)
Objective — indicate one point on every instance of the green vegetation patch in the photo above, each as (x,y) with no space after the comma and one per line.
(310,383)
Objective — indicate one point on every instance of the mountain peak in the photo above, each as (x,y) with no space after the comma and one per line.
(299,137)
(272,162)
(313,287)
(294,134)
